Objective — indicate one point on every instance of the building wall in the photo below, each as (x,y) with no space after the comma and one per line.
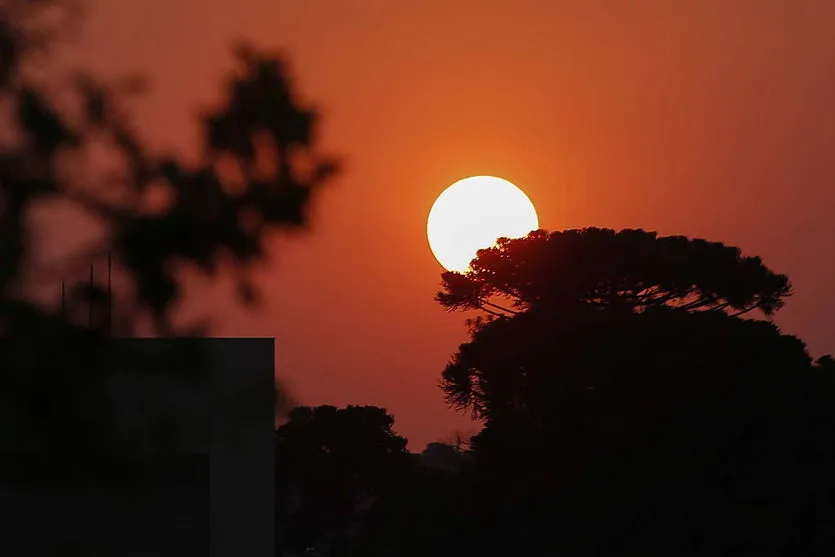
(215,489)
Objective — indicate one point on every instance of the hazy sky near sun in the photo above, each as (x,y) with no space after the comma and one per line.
(712,119)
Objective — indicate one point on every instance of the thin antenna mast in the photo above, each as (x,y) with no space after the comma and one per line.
(90,317)
(109,295)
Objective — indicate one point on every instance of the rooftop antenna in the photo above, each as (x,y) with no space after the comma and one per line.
(90,317)
(109,295)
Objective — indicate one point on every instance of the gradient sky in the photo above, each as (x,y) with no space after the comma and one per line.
(706,118)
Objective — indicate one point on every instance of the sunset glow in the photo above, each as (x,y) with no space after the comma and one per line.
(472,214)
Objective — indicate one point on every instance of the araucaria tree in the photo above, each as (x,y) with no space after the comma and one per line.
(630,355)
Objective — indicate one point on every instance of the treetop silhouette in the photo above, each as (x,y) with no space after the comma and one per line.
(258,168)
(631,269)
(332,461)
(599,319)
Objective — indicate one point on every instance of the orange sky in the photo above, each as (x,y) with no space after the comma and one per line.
(711,118)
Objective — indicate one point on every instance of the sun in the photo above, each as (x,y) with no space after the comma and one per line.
(472,214)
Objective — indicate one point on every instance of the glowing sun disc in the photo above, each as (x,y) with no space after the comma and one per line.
(472,214)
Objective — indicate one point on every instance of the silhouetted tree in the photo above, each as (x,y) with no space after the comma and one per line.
(826,364)
(333,463)
(437,508)
(616,376)
(630,269)
(440,456)
(257,170)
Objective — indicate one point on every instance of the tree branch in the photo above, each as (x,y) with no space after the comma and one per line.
(491,312)
(752,307)
(498,307)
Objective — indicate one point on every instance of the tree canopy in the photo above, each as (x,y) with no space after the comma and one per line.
(330,462)
(572,292)
(623,371)
(257,170)
(629,269)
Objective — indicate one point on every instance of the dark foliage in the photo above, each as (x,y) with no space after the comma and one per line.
(332,463)
(258,169)
(631,270)
(630,407)
(626,399)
